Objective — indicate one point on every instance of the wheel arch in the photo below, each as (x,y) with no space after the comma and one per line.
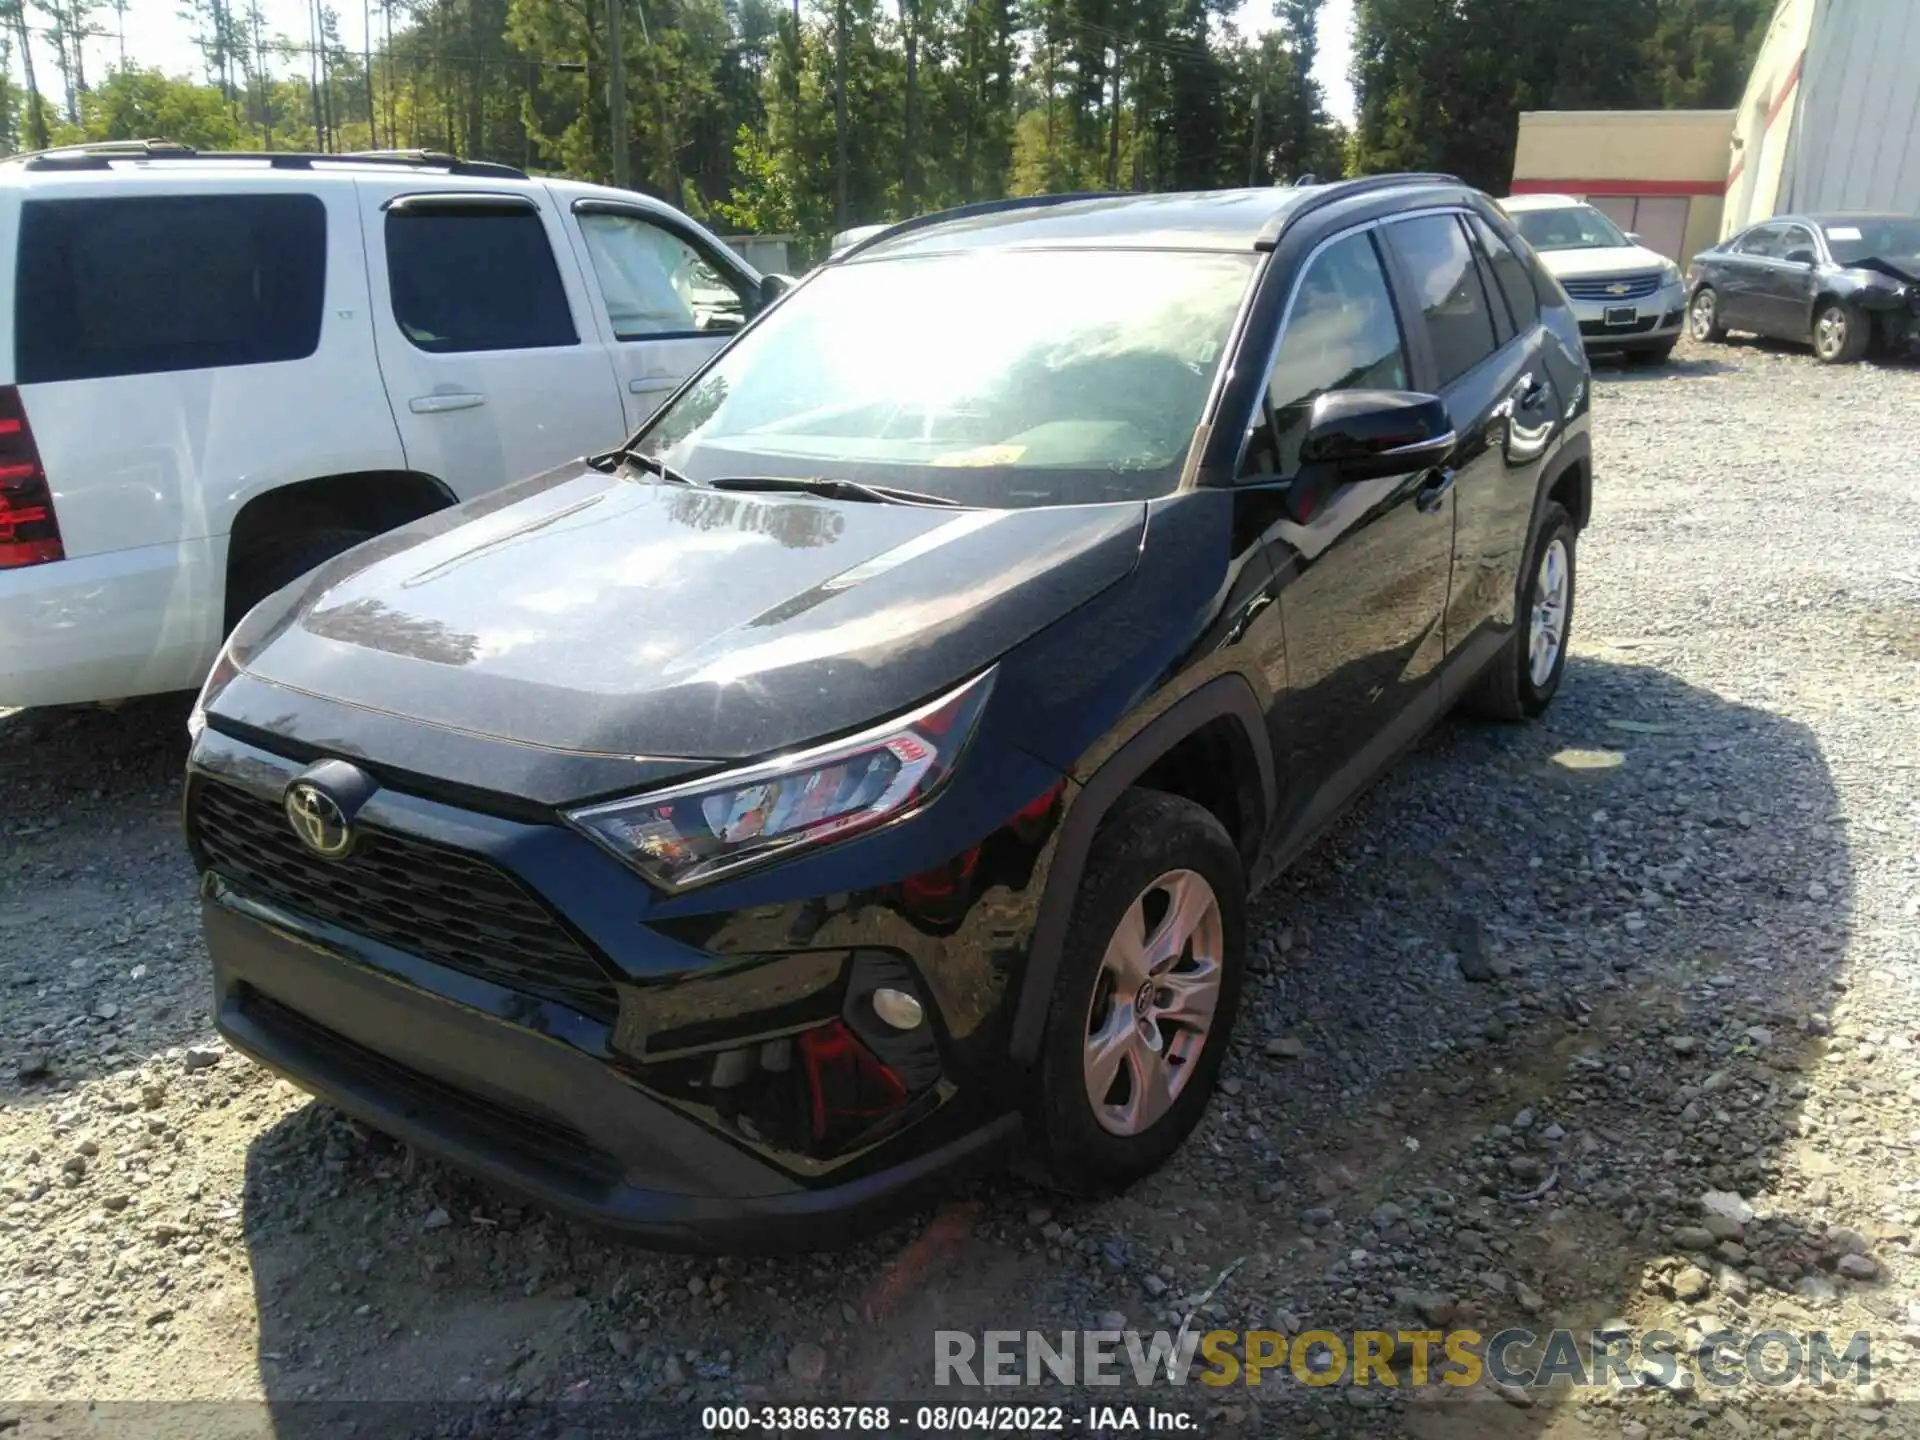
(1569,479)
(370,500)
(373,500)
(1221,721)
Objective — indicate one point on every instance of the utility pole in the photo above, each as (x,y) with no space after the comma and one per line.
(617,95)
(1253,156)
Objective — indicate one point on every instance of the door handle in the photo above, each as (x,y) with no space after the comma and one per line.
(439,404)
(652,385)
(1428,497)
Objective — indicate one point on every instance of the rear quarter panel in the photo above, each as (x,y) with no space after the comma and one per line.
(138,460)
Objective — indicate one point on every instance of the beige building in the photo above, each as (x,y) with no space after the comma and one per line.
(1658,173)
(1829,120)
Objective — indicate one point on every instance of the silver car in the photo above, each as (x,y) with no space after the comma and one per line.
(1630,300)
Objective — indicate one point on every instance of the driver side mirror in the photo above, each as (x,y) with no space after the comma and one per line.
(1371,434)
(1634,236)
(772,287)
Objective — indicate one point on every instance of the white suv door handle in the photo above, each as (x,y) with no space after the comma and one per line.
(435,404)
(652,385)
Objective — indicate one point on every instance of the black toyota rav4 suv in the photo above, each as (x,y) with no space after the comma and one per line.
(867,767)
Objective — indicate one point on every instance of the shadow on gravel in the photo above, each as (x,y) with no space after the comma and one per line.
(1649,884)
(100,957)
(1608,369)
(1801,350)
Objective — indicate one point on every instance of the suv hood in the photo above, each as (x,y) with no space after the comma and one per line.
(629,617)
(1608,260)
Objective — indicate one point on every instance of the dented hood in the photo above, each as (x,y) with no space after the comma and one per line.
(617,615)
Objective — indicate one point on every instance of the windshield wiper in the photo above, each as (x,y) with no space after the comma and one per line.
(831,489)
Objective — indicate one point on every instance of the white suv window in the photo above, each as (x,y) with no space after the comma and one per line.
(655,283)
(140,286)
(474,278)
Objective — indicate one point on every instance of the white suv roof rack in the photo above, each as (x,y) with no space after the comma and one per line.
(101,155)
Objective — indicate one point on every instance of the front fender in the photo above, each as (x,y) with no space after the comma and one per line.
(1227,697)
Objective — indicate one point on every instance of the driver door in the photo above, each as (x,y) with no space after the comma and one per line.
(666,300)
(1784,290)
(1743,274)
(1363,580)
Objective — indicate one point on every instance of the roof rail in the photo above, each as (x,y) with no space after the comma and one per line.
(1337,190)
(967,212)
(100,155)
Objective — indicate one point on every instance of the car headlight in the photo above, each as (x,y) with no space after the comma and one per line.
(1670,275)
(694,833)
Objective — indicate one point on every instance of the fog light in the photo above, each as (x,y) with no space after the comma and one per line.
(898,1008)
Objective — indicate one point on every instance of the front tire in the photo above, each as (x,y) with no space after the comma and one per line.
(1144,1000)
(1703,317)
(1523,678)
(1841,333)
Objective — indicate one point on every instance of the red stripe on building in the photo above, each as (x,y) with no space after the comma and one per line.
(1618,187)
(1786,90)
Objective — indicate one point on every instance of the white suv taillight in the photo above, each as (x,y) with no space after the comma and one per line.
(29,530)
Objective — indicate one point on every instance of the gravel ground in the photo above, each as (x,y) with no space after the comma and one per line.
(1689,900)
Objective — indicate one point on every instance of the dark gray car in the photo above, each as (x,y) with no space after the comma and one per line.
(1846,284)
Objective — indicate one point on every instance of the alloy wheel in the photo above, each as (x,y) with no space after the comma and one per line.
(1830,332)
(1552,585)
(1153,1002)
(1702,315)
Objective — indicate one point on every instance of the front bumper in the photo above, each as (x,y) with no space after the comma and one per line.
(502,992)
(531,1113)
(1657,320)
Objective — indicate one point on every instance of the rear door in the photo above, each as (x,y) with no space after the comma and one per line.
(667,296)
(487,341)
(1503,408)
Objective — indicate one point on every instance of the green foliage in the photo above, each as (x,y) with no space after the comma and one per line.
(800,117)
(137,104)
(1441,83)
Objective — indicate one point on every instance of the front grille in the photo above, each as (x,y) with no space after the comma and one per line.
(1599,288)
(558,1150)
(438,903)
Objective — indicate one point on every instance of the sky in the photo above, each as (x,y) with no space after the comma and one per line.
(157,36)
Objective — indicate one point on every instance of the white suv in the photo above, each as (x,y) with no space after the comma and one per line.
(1628,298)
(217,371)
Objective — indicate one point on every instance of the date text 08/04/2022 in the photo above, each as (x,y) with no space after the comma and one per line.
(945,1419)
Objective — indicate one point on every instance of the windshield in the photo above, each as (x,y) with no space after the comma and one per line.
(1867,237)
(1573,227)
(1004,378)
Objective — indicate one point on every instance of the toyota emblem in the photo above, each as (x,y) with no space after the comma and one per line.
(318,820)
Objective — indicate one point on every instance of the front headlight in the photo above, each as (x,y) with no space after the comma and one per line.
(1670,276)
(701,831)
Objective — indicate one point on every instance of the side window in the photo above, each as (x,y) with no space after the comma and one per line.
(1762,242)
(1795,239)
(475,278)
(1510,273)
(161,283)
(1341,334)
(1435,251)
(655,283)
